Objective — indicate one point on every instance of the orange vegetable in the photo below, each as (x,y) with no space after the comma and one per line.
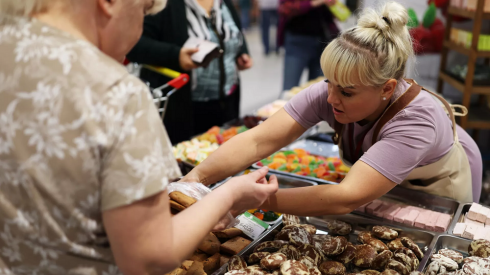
(259,215)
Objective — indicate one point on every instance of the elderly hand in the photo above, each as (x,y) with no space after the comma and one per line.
(244,62)
(185,59)
(330,2)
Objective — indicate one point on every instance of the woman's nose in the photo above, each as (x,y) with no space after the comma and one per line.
(332,97)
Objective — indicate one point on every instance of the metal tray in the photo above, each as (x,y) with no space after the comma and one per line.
(324,149)
(447,241)
(306,178)
(359,224)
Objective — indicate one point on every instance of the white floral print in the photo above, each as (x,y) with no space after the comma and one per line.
(78,136)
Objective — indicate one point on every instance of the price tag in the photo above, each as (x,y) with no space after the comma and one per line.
(251,225)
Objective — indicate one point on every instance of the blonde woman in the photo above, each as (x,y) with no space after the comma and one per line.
(392,131)
(84,158)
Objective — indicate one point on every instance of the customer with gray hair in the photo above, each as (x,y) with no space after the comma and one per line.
(84,158)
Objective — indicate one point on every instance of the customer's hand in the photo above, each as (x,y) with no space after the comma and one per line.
(252,190)
(317,3)
(244,62)
(185,59)
(330,2)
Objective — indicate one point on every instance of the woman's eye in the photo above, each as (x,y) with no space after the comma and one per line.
(345,94)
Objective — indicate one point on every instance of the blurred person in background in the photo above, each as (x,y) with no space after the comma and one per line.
(268,17)
(84,158)
(245,10)
(305,28)
(213,95)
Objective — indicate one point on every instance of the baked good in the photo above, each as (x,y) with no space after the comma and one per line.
(475,268)
(378,245)
(332,268)
(416,273)
(449,264)
(308,262)
(389,272)
(364,236)
(255,257)
(336,227)
(288,219)
(318,241)
(365,255)
(176,206)
(255,270)
(334,246)
(276,272)
(292,267)
(236,272)
(236,263)
(395,244)
(452,254)
(348,255)
(224,259)
(479,248)
(228,233)
(186,264)
(290,251)
(405,260)
(314,271)
(309,228)
(177,271)
(182,199)
(299,236)
(433,268)
(311,252)
(408,243)
(235,245)
(198,257)
(273,261)
(385,233)
(415,261)
(210,245)
(398,267)
(370,272)
(382,260)
(442,270)
(270,246)
(211,264)
(442,222)
(197,268)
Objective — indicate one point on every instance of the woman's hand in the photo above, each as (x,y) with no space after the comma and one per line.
(330,2)
(185,59)
(244,62)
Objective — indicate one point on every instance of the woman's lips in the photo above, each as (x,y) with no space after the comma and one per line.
(337,111)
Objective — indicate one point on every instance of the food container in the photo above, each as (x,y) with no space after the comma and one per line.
(422,238)
(463,209)
(449,242)
(324,149)
(285,181)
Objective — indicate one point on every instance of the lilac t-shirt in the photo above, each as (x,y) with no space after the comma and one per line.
(421,133)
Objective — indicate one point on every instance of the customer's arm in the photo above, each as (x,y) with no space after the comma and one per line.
(145,239)
(246,148)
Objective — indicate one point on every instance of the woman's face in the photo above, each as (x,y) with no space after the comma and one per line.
(353,104)
(124,26)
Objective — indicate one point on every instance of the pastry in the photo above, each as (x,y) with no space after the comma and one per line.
(311,252)
(385,233)
(224,260)
(416,273)
(479,248)
(378,245)
(370,272)
(309,228)
(389,272)
(308,262)
(405,260)
(255,270)
(334,246)
(290,219)
(336,227)
(236,272)
(210,245)
(414,260)
(364,236)
(235,245)
(198,257)
(348,255)
(290,251)
(182,199)
(177,271)
(237,263)
(271,246)
(433,268)
(292,267)
(395,244)
(398,267)
(365,255)
(449,264)
(176,206)
(314,271)
(332,268)
(197,268)
(299,236)
(452,254)
(186,264)
(212,263)
(382,260)
(408,243)
(273,261)
(255,257)
(228,233)
(319,239)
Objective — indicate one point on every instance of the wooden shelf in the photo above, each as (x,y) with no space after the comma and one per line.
(456,47)
(466,13)
(460,86)
(479,118)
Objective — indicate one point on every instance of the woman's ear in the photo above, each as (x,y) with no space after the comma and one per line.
(107,7)
(389,88)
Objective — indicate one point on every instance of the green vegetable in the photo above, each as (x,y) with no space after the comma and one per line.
(430,16)
(413,21)
(270,216)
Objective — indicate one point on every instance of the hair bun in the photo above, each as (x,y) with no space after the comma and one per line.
(393,17)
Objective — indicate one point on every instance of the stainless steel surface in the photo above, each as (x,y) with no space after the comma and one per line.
(449,242)
(318,148)
(462,210)
(286,181)
(422,238)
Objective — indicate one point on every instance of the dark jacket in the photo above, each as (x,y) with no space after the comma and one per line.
(164,35)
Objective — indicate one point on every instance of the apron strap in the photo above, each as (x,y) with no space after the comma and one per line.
(398,105)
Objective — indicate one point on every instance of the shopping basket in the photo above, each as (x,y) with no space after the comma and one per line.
(159,97)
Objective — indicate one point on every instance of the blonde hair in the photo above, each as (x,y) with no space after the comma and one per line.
(374,51)
(29,7)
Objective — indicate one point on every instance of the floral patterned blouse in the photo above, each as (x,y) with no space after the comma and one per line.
(78,136)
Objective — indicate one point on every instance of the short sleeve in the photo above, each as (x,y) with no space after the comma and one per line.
(310,106)
(404,143)
(139,163)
